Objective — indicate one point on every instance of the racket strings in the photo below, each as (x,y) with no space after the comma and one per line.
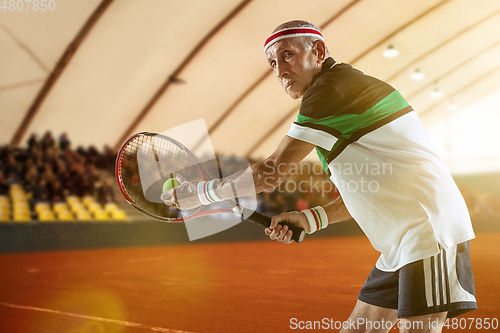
(147,162)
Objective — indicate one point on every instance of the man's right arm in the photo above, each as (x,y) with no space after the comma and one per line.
(337,211)
(262,176)
(267,174)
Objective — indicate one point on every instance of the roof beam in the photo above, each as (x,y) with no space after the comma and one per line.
(468,86)
(441,77)
(437,47)
(395,32)
(58,69)
(172,78)
(26,49)
(21,84)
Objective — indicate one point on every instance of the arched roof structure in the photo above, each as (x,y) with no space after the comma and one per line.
(101,70)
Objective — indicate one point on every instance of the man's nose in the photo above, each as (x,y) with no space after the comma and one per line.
(281,69)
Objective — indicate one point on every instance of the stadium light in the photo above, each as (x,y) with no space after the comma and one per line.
(391,52)
(417,75)
(436,93)
(452,106)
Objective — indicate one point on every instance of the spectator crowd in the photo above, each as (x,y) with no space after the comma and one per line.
(51,170)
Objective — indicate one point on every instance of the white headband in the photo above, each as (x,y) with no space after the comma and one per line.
(292,32)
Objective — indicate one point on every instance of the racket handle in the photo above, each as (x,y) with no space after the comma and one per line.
(264,220)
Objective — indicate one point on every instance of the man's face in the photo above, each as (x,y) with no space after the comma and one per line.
(294,66)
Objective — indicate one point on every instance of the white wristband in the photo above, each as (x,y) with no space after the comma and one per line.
(317,218)
(206,192)
(202,194)
(211,190)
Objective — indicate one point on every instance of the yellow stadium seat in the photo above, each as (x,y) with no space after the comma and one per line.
(17,193)
(119,215)
(65,215)
(41,206)
(16,188)
(4,216)
(101,215)
(44,212)
(19,198)
(21,208)
(20,204)
(110,207)
(46,216)
(22,217)
(72,199)
(83,215)
(60,206)
(76,207)
(4,200)
(4,206)
(88,200)
(94,207)
(21,212)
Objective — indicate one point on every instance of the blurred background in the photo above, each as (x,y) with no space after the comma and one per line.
(80,77)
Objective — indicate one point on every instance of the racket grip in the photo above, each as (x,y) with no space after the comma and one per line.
(264,220)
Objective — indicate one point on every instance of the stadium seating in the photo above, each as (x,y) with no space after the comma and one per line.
(60,207)
(119,215)
(84,215)
(16,207)
(46,216)
(101,215)
(65,215)
(4,209)
(49,181)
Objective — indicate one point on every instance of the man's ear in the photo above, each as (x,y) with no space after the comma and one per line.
(320,49)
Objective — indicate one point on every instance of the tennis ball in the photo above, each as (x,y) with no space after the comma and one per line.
(170,184)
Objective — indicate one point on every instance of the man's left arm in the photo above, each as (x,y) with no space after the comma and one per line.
(269,173)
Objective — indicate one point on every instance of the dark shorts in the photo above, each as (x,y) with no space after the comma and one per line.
(436,284)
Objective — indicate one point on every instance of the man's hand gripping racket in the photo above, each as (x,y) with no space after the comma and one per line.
(147,160)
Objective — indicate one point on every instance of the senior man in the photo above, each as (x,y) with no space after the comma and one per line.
(378,154)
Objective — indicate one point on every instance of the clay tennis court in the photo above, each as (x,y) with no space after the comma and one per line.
(253,286)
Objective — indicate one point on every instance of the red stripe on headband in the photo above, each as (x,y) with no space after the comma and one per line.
(313,212)
(292,31)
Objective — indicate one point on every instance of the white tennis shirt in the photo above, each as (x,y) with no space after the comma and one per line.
(397,189)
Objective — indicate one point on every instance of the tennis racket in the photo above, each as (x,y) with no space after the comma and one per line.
(146,160)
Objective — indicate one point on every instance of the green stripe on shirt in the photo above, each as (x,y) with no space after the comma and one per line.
(349,123)
(323,153)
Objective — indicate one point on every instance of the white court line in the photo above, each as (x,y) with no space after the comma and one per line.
(105,320)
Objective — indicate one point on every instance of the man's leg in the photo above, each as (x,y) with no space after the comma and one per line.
(432,323)
(370,319)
